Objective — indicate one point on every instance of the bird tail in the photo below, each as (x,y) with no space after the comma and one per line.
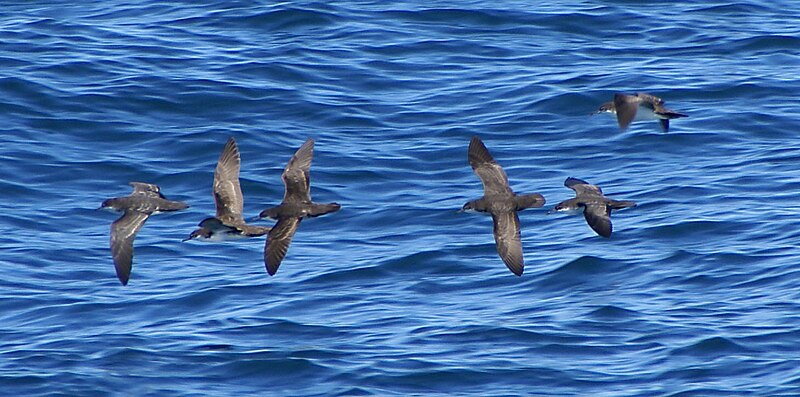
(271,212)
(614,204)
(169,205)
(322,209)
(534,200)
(672,115)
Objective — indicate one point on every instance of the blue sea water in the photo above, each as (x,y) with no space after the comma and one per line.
(697,293)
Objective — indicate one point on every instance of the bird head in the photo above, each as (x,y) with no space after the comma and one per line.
(607,107)
(108,205)
(201,233)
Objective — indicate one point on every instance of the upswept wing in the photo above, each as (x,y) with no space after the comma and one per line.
(227,191)
(146,189)
(582,187)
(296,174)
(492,176)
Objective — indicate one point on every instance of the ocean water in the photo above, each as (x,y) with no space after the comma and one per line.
(697,293)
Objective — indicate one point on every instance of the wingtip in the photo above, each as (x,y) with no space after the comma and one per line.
(475,141)
(123,271)
(570,181)
(271,270)
(302,155)
(123,279)
(603,233)
(664,124)
(478,153)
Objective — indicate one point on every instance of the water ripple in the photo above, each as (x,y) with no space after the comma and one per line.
(398,293)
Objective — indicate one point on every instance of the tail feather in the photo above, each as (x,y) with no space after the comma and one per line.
(322,209)
(169,205)
(672,115)
(524,201)
(614,204)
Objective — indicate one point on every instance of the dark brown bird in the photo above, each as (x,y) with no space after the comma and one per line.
(640,106)
(295,206)
(145,200)
(502,203)
(228,223)
(596,207)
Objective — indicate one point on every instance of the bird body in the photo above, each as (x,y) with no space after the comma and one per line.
(502,203)
(596,207)
(296,206)
(145,200)
(228,223)
(639,106)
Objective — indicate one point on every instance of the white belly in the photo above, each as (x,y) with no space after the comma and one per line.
(645,113)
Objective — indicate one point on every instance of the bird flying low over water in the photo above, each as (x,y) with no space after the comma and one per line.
(228,222)
(502,203)
(295,206)
(639,106)
(596,207)
(145,200)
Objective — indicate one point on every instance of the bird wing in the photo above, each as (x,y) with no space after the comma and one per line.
(626,106)
(278,241)
(492,176)
(218,225)
(227,191)
(582,187)
(649,100)
(147,189)
(598,216)
(507,239)
(295,175)
(664,124)
(123,231)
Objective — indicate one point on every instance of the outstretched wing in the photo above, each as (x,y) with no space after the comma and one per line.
(123,232)
(295,175)
(278,241)
(582,187)
(626,106)
(598,216)
(649,100)
(146,189)
(227,191)
(507,239)
(492,176)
